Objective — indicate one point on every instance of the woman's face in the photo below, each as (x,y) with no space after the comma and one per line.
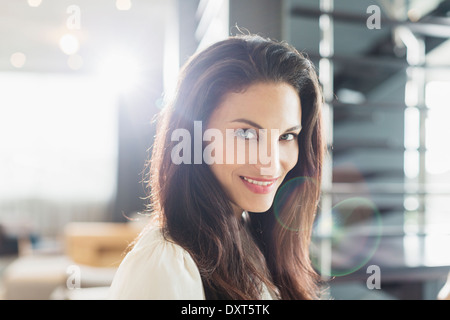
(266,119)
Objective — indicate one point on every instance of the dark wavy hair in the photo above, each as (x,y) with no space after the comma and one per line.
(273,248)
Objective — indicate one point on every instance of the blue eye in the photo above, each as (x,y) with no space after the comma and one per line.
(288,136)
(246,134)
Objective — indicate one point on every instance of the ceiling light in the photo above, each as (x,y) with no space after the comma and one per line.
(34,3)
(69,44)
(18,59)
(123,5)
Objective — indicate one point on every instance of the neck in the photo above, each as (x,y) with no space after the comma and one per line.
(238,212)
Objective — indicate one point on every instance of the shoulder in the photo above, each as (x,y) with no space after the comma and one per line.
(157,268)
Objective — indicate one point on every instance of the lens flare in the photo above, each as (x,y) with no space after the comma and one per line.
(355,234)
(288,197)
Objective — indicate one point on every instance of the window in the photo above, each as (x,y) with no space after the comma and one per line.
(58,138)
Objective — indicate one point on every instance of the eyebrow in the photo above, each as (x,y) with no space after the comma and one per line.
(254,124)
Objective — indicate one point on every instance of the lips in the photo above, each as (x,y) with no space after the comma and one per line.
(259,185)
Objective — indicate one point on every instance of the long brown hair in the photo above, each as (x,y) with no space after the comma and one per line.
(234,261)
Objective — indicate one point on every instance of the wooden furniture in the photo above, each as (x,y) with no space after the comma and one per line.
(99,244)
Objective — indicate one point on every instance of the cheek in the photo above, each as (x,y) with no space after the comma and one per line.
(216,170)
(223,174)
(291,158)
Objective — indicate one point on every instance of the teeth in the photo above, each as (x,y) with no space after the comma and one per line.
(259,183)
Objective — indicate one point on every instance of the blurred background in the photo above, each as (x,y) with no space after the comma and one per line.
(81,81)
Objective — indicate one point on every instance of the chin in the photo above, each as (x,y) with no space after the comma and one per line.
(260,207)
(259,211)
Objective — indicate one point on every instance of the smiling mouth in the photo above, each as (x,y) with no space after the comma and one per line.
(259,186)
(264,183)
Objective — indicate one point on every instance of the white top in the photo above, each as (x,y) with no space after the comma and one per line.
(159,269)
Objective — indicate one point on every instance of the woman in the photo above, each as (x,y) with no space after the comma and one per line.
(223,232)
